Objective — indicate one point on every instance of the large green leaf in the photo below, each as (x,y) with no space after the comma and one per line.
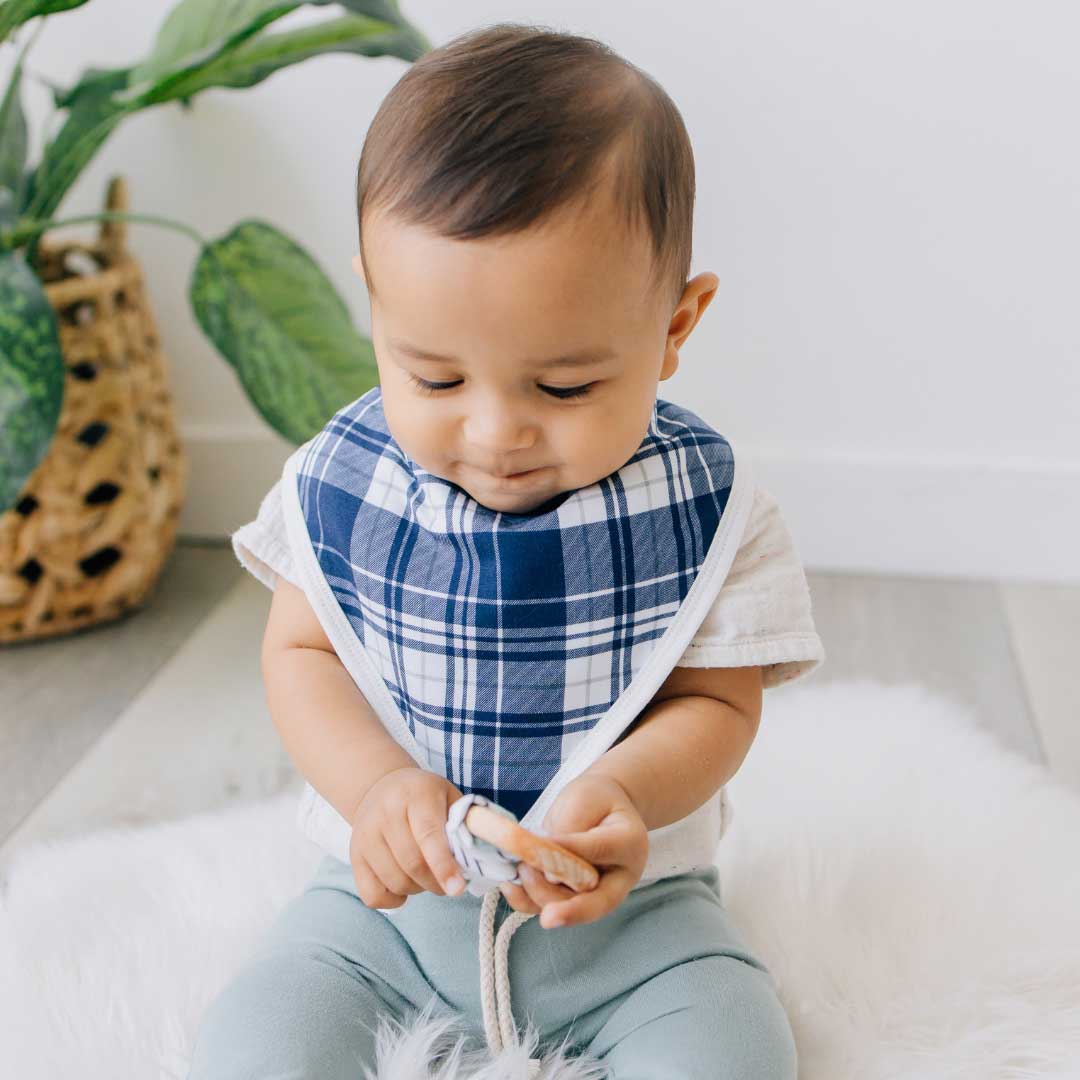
(274,315)
(13,137)
(31,375)
(260,57)
(250,53)
(93,81)
(194,33)
(14,13)
(89,123)
(8,210)
(197,31)
(205,43)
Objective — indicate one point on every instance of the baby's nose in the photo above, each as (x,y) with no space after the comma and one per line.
(497,433)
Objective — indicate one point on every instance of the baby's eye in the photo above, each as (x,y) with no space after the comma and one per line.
(430,387)
(567,391)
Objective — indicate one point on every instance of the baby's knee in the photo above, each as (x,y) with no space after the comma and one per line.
(752,1036)
(289,1013)
(714,1018)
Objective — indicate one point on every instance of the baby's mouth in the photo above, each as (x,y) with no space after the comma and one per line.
(521,472)
(503,478)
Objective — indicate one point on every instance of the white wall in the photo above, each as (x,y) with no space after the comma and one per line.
(888,193)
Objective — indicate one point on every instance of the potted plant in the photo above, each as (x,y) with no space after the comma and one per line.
(91,467)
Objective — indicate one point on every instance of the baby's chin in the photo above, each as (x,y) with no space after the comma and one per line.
(501,496)
(508,503)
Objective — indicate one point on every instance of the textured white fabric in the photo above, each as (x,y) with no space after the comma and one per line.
(762,614)
(912,884)
(675,848)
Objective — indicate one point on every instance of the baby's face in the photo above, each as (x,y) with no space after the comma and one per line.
(468,338)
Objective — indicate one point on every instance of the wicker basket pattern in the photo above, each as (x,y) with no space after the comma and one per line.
(97,518)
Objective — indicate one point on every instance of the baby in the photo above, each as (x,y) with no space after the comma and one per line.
(511,573)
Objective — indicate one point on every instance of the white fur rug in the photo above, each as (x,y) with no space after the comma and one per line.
(913,886)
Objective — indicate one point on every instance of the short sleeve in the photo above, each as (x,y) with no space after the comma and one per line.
(262,545)
(762,614)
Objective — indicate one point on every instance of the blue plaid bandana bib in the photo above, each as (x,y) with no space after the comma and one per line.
(500,640)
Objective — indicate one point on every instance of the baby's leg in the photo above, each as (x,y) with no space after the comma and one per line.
(290,1014)
(713,1018)
(307,1004)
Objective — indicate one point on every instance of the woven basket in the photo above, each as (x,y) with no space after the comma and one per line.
(97,518)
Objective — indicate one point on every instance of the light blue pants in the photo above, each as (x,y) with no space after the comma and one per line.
(664,986)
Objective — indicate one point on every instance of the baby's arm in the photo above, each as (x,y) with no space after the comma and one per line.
(688,742)
(397,809)
(325,723)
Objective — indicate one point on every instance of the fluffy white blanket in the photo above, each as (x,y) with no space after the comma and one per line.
(913,886)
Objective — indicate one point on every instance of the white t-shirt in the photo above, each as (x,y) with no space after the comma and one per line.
(761,615)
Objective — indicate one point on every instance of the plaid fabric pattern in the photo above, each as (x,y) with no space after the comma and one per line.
(503,638)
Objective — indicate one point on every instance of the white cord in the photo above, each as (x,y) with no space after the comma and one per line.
(484,866)
(495,984)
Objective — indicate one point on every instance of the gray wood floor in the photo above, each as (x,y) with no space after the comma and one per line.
(163,714)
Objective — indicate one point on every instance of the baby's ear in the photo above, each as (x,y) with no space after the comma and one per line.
(670,364)
(358,266)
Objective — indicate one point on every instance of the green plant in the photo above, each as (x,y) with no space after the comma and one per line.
(257,295)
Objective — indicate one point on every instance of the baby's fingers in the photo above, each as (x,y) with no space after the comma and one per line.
(518,898)
(428,824)
(381,854)
(592,905)
(540,890)
(369,886)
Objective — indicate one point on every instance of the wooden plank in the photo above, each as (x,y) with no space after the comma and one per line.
(950,636)
(1045,624)
(197,736)
(58,696)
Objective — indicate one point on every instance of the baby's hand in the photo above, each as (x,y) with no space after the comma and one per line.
(594,817)
(399,844)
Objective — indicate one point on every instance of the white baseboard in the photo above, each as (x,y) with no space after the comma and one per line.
(1012,520)
(855,513)
(229,471)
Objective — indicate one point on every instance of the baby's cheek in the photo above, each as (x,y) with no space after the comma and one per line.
(415,426)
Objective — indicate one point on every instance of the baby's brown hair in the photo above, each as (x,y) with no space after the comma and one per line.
(504,124)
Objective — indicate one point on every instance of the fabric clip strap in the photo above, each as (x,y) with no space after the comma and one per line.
(483,864)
